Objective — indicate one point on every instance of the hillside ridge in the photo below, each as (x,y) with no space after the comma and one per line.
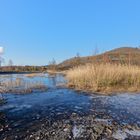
(117,55)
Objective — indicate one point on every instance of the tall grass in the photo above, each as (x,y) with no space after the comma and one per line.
(105,77)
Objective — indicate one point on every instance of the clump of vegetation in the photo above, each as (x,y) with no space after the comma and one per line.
(105,77)
(19,85)
(20,69)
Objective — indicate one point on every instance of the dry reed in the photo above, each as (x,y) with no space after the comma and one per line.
(105,77)
(19,85)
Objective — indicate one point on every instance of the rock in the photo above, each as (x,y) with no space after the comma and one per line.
(53,133)
(31,136)
(37,138)
(66,129)
(73,115)
(99,129)
(109,132)
(1,129)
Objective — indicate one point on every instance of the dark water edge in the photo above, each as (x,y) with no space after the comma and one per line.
(11,72)
(62,113)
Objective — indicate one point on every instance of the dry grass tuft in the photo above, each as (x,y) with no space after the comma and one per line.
(105,77)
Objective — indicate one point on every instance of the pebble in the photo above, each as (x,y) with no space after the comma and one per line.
(66,129)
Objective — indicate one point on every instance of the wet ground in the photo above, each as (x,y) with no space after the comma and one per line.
(61,113)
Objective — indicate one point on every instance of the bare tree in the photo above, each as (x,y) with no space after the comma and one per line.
(96,50)
(10,63)
(77,55)
(1,61)
(53,64)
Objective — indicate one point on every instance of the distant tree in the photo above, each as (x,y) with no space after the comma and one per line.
(77,55)
(52,64)
(78,59)
(96,50)
(1,61)
(10,63)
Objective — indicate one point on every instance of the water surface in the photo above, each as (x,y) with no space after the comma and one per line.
(26,110)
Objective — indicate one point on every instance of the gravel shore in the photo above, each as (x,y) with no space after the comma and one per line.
(77,128)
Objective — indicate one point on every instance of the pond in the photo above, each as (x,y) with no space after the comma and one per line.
(27,111)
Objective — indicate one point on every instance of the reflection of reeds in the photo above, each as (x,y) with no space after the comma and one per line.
(105,77)
(31,75)
(20,85)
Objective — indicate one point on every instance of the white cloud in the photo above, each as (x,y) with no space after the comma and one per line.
(1,50)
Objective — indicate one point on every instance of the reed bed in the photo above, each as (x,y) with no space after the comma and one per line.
(19,85)
(105,78)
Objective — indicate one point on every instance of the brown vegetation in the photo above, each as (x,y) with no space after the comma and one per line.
(19,85)
(32,75)
(18,69)
(124,55)
(105,77)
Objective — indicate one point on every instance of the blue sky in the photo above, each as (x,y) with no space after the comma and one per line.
(33,32)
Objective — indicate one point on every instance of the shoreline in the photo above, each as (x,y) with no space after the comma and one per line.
(11,72)
(76,127)
(109,91)
(104,92)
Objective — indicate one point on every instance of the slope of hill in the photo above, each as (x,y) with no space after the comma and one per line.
(124,55)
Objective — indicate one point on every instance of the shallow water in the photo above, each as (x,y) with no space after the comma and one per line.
(58,103)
